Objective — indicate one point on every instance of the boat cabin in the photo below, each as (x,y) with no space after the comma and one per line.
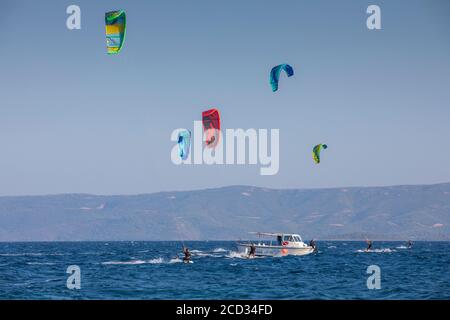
(282,239)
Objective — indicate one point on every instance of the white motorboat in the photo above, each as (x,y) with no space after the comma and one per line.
(283,245)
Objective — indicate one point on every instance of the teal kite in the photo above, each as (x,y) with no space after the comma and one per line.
(184,144)
(275,74)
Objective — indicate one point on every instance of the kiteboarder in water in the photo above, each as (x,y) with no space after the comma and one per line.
(409,244)
(369,245)
(187,255)
(252,252)
(312,244)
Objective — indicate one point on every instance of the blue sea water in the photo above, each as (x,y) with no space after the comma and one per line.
(150,270)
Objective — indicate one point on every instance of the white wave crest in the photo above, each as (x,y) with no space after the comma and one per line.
(156,261)
(384,250)
(124,262)
(175,260)
(236,254)
(34,254)
(159,260)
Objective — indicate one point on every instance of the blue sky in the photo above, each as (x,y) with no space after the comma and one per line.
(73,119)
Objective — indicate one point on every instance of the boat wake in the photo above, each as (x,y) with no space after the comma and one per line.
(215,253)
(205,254)
(151,261)
(236,254)
(240,255)
(124,262)
(384,250)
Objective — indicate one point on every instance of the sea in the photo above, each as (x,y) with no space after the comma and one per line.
(154,270)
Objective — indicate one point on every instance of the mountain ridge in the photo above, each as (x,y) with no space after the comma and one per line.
(418,212)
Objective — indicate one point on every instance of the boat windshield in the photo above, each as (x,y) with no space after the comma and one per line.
(292,238)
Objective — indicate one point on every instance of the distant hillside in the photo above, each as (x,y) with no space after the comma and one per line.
(397,212)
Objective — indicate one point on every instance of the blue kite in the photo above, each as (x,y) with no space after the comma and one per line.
(184,144)
(275,74)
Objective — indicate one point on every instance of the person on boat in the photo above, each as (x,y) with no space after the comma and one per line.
(369,245)
(312,244)
(409,244)
(279,239)
(252,252)
(187,255)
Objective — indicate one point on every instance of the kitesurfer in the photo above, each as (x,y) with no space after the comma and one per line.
(312,244)
(252,251)
(369,245)
(187,255)
(409,244)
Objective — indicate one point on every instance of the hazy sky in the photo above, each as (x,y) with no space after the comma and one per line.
(73,119)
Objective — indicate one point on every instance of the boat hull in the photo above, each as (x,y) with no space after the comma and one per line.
(275,250)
